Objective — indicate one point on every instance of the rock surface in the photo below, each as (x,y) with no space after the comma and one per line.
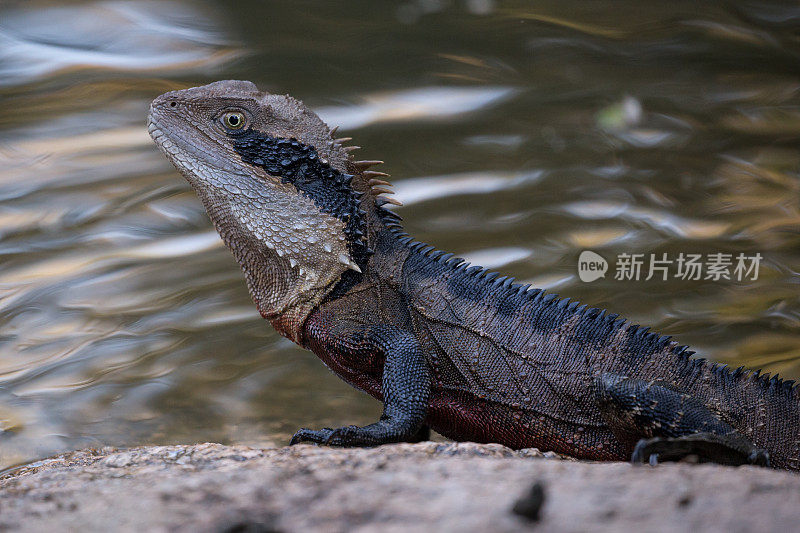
(416,487)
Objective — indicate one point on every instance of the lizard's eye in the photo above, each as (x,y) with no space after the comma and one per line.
(233,120)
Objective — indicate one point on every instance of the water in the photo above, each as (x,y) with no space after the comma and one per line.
(518,135)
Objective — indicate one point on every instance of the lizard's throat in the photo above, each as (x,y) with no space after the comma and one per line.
(288,265)
(284,292)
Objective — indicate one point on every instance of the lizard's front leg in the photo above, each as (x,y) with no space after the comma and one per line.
(406,391)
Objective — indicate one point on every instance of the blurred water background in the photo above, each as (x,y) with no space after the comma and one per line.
(518,134)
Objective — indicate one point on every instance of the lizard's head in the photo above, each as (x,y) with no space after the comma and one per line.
(274,182)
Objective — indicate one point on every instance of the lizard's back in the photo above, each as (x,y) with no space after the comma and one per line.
(532,359)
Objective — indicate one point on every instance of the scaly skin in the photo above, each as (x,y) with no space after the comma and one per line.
(444,345)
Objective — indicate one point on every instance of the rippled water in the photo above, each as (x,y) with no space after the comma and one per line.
(518,135)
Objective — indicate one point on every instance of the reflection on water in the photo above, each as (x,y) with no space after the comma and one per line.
(429,103)
(37,42)
(414,190)
(517,136)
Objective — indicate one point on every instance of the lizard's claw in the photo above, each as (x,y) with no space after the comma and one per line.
(640,454)
(320,436)
(327,436)
(759,458)
(654,451)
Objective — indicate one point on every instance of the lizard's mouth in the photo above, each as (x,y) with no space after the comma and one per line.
(172,146)
(187,153)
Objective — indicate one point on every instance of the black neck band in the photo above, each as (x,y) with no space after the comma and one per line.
(300,165)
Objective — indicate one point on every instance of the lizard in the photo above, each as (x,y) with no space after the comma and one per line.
(443,344)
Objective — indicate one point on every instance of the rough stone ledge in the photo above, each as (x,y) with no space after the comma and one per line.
(402,487)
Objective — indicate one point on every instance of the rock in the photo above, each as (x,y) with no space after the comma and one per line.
(424,486)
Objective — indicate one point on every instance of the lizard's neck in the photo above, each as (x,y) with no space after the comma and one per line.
(286,278)
(289,308)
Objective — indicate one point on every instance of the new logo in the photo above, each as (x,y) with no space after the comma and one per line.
(591,266)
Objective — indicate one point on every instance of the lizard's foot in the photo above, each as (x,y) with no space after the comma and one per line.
(343,436)
(707,447)
(320,436)
(372,435)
